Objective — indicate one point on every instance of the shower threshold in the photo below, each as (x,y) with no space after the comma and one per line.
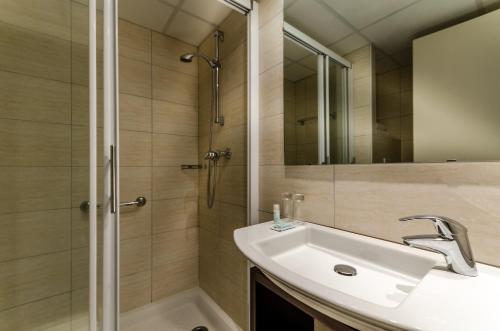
(179,312)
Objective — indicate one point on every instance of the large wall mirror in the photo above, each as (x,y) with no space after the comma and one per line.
(376,81)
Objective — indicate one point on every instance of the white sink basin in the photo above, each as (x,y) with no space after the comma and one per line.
(396,287)
(385,275)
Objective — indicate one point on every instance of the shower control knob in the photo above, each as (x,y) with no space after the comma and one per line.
(212,155)
(226,153)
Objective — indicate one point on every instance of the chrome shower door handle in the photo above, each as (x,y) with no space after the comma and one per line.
(138,202)
(113,181)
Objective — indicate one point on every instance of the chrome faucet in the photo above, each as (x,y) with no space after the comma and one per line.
(451,241)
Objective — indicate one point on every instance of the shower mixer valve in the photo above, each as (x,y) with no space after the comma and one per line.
(215,155)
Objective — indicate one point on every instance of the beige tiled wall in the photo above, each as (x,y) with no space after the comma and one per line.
(222,267)
(44,157)
(369,199)
(35,154)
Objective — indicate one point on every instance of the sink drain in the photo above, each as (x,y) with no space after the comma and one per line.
(200,328)
(345,270)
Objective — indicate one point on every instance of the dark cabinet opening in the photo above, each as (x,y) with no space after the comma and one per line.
(275,313)
(273,309)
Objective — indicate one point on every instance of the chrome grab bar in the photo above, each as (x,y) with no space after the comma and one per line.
(113,182)
(139,202)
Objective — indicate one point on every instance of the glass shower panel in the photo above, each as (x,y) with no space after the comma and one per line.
(44,155)
(338,113)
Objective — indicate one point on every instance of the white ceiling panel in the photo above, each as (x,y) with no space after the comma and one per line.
(152,14)
(361,13)
(397,31)
(318,22)
(189,28)
(187,20)
(390,25)
(349,44)
(210,10)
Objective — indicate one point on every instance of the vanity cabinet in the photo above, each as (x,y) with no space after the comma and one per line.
(273,309)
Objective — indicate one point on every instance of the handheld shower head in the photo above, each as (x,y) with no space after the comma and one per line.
(187,57)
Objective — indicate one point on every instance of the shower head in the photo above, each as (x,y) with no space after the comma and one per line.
(188,57)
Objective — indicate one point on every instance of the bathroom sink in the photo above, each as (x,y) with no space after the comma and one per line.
(395,287)
(385,275)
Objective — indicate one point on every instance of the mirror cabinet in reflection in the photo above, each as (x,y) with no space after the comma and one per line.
(369,81)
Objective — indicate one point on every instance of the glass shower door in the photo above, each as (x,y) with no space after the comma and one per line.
(59,188)
(44,159)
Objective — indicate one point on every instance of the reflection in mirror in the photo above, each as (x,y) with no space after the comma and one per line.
(315,101)
(337,107)
(423,85)
(301,104)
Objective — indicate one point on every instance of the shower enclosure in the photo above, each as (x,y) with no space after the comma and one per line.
(104,135)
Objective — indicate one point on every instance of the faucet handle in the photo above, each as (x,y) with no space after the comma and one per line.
(446,227)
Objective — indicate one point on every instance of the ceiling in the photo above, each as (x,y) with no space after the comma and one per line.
(391,25)
(188,20)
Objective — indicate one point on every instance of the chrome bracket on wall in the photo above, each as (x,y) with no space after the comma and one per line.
(190,166)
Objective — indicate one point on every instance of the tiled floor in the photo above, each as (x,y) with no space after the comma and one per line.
(180,312)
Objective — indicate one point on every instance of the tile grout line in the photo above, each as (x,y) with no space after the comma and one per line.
(38,255)
(38,300)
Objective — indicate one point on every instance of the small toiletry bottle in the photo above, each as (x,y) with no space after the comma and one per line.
(276,214)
